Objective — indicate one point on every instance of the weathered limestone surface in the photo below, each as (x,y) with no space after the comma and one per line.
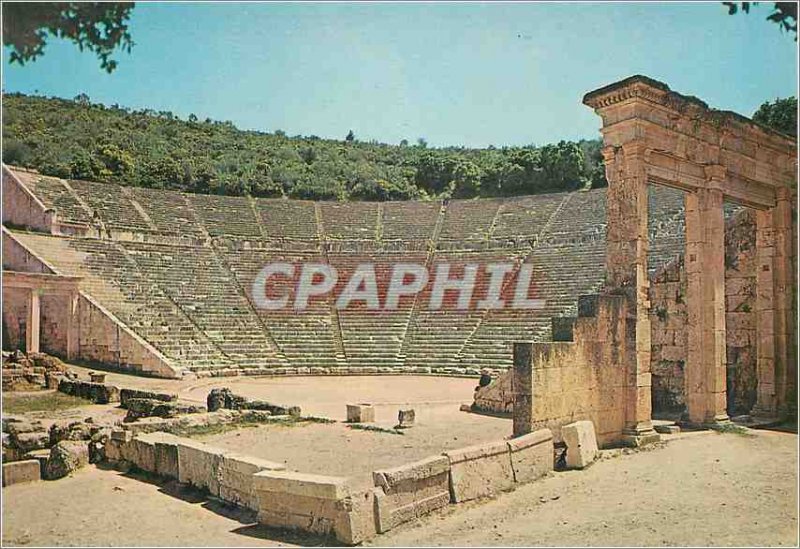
(236,478)
(680,142)
(360,413)
(98,393)
(126,394)
(199,465)
(531,455)
(410,491)
(480,471)
(66,457)
(313,503)
(581,444)
(495,398)
(584,379)
(17,472)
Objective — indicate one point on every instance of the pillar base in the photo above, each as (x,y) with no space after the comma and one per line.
(711,423)
(637,439)
(764,414)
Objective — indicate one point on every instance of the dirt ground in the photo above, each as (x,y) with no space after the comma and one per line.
(698,489)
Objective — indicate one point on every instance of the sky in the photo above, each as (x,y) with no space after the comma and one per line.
(471,74)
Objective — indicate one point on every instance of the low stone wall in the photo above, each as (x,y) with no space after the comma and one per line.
(16,472)
(314,503)
(224,398)
(480,471)
(99,393)
(126,394)
(326,505)
(531,455)
(410,491)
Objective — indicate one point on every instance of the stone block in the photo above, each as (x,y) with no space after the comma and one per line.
(141,452)
(121,435)
(66,457)
(667,429)
(39,455)
(126,394)
(315,504)
(302,484)
(199,465)
(236,478)
(581,444)
(410,491)
(25,442)
(17,472)
(355,521)
(531,455)
(360,413)
(405,419)
(480,471)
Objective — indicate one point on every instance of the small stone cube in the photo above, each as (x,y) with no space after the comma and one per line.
(360,413)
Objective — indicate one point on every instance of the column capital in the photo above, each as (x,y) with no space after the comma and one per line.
(637,148)
(783,193)
(715,173)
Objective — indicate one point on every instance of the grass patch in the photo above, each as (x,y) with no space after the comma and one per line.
(220,428)
(48,401)
(732,428)
(363,427)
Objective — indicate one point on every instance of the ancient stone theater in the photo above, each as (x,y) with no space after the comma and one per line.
(672,291)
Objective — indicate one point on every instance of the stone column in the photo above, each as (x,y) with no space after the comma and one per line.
(783,276)
(626,272)
(705,371)
(774,322)
(33,327)
(522,388)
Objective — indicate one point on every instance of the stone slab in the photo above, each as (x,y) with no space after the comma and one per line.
(410,491)
(164,453)
(360,413)
(17,472)
(302,484)
(199,465)
(480,471)
(667,429)
(531,455)
(236,478)
(349,519)
(581,444)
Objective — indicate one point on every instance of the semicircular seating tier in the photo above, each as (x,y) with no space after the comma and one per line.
(178,269)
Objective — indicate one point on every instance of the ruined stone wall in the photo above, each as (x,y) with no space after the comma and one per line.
(17,258)
(668,337)
(571,380)
(669,323)
(21,208)
(54,324)
(105,340)
(15,315)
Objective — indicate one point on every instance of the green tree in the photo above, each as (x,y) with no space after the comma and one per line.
(780,115)
(783,13)
(100,27)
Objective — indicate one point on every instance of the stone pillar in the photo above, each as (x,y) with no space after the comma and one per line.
(774,321)
(626,272)
(33,327)
(522,389)
(784,277)
(705,373)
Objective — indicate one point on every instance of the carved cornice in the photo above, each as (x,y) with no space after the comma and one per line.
(643,88)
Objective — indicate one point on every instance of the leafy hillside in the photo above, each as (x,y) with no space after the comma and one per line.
(80,140)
